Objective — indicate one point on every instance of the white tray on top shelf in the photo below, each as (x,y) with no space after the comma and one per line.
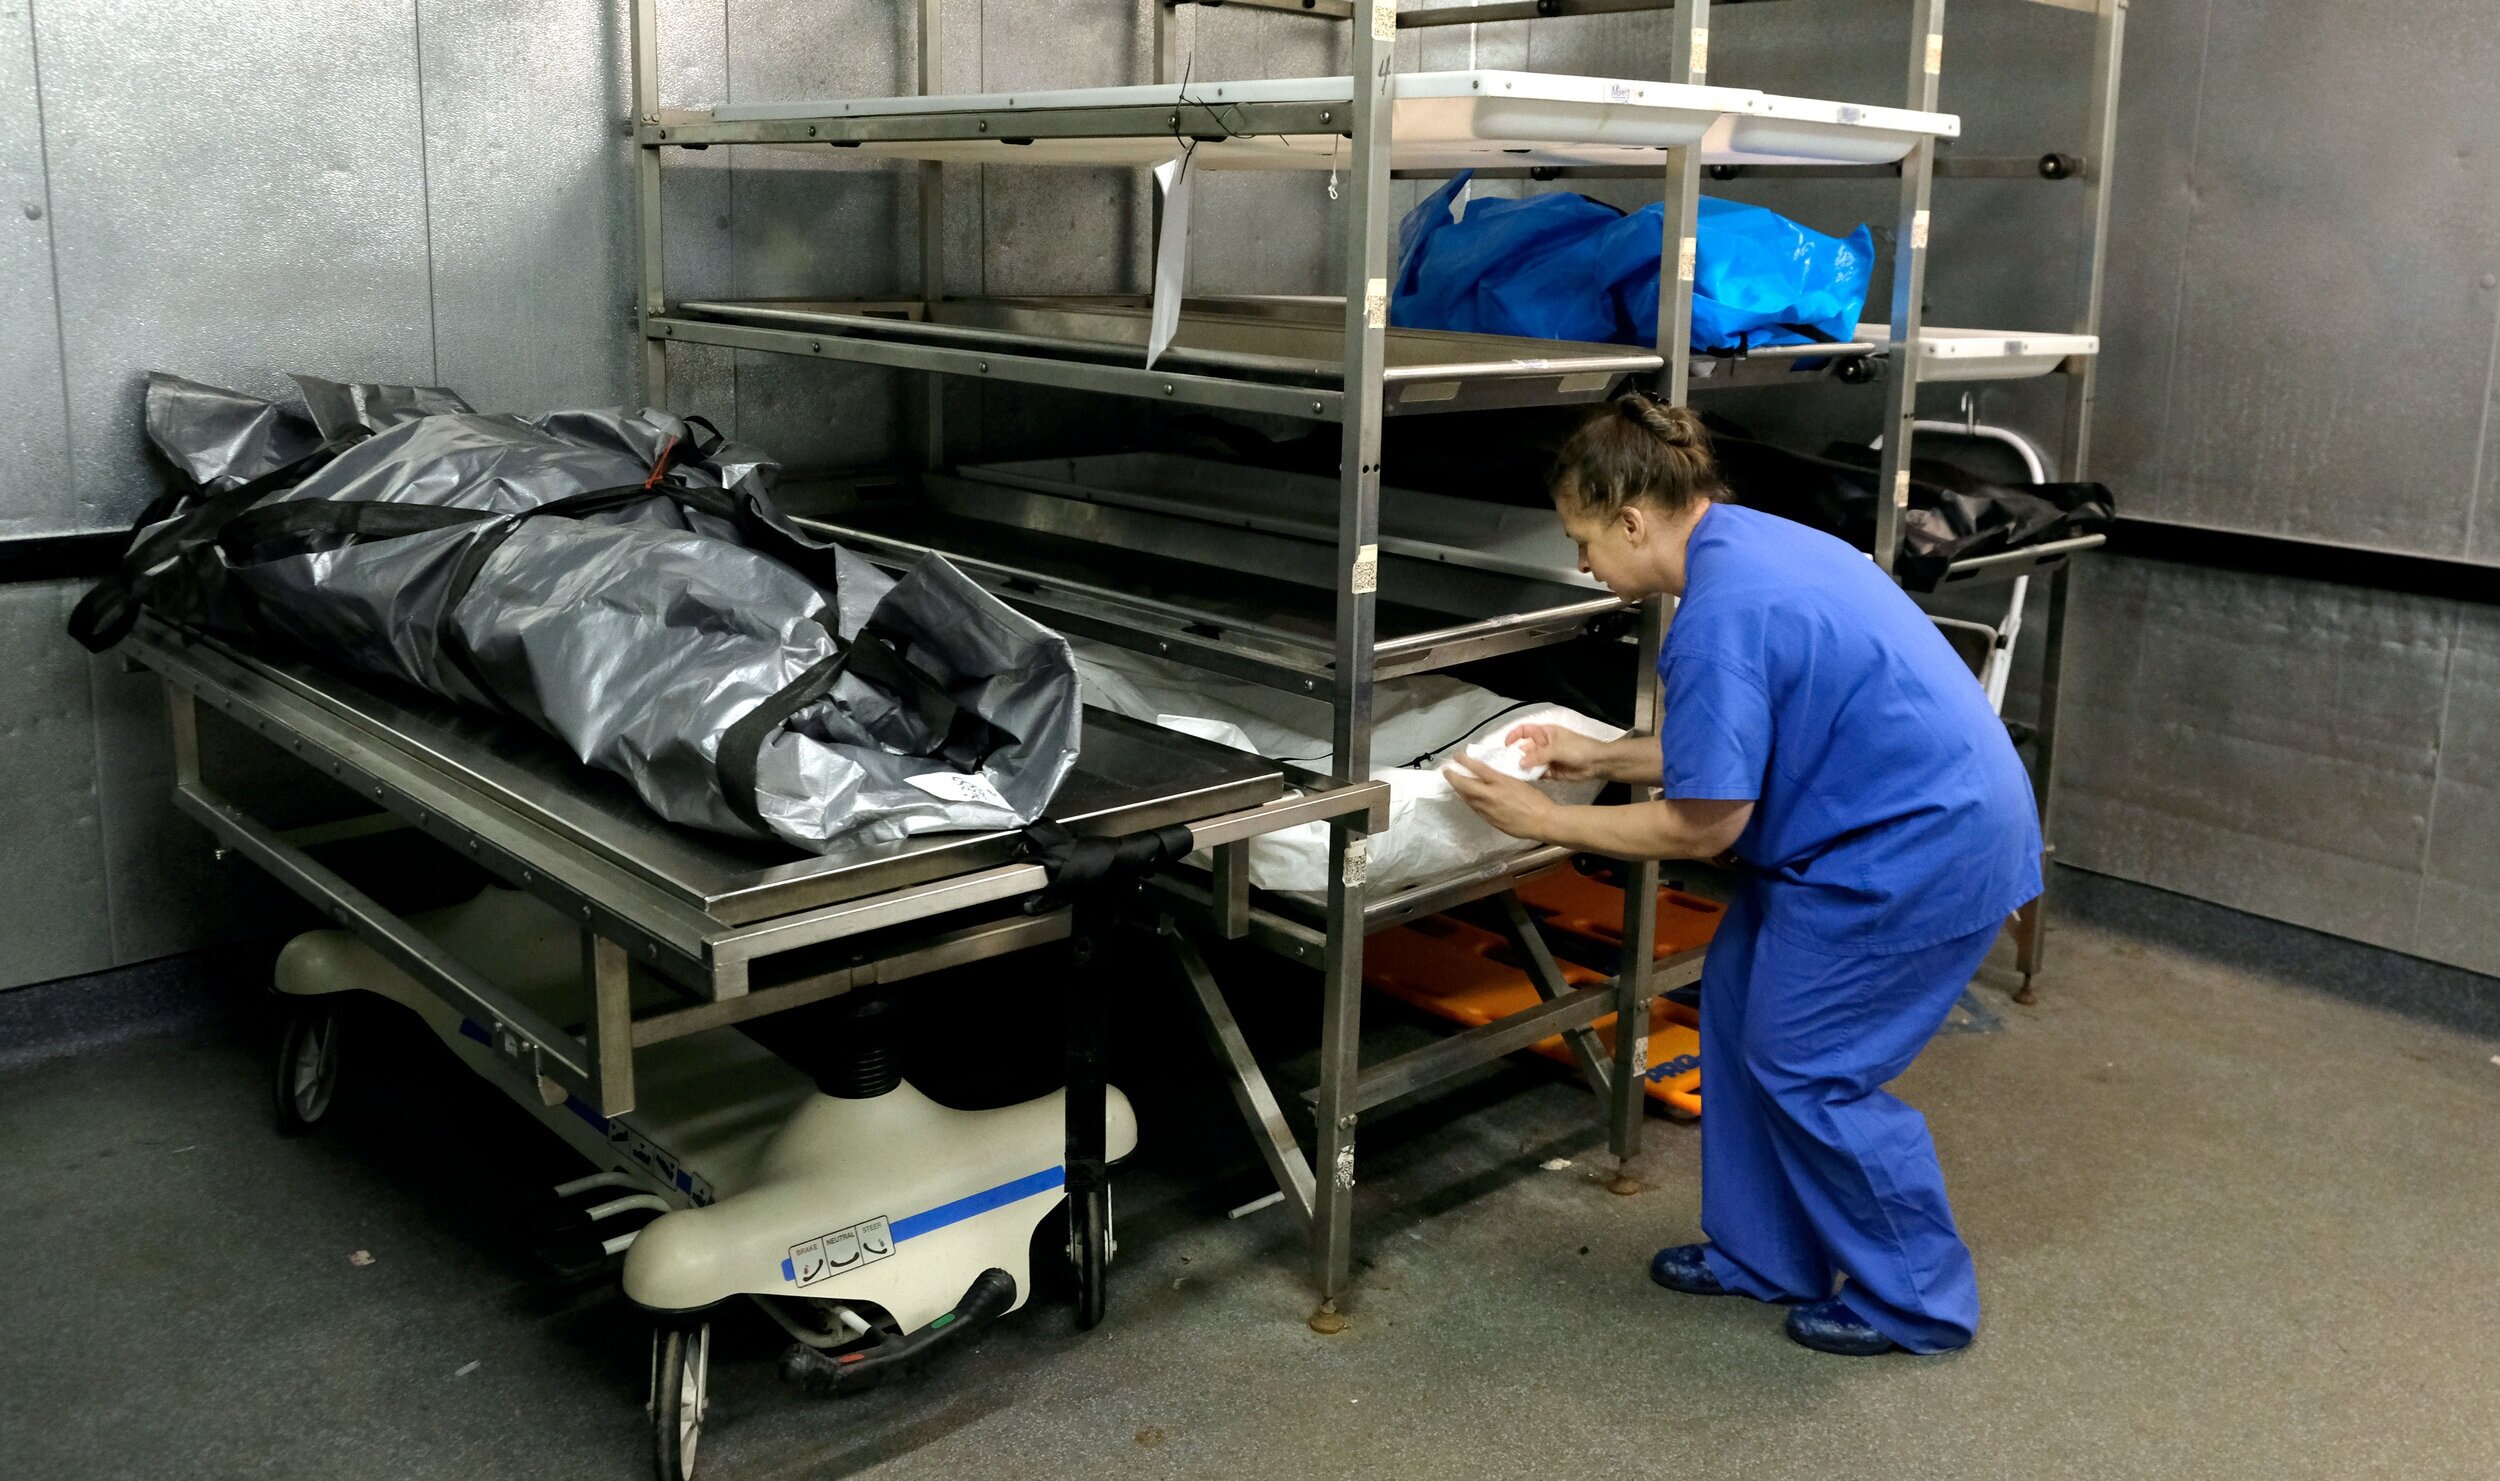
(1440,120)
(1987,354)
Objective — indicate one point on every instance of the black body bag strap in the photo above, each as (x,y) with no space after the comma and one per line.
(106,614)
(1077,865)
(969,739)
(741,754)
(475,555)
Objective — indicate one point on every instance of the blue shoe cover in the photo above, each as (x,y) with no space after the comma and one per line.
(1830,1326)
(1681,1268)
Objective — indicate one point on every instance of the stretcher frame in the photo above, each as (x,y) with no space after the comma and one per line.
(727,970)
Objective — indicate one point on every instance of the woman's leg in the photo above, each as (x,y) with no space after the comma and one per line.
(1762,1244)
(1823,1034)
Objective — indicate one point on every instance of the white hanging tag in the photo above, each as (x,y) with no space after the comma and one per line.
(1171,255)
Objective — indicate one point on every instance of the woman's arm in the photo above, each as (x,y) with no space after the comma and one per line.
(1689,829)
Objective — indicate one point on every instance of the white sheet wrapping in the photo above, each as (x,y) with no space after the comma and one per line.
(1418,724)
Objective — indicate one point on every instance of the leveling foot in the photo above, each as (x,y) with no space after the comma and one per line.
(1328,1321)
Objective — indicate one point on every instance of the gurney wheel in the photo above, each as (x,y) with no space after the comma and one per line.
(1089,1249)
(308,1067)
(681,1372)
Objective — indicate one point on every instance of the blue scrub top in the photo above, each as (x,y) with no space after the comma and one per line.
(1891,813)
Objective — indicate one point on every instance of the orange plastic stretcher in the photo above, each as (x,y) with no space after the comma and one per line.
(1578,905)
(1472,976)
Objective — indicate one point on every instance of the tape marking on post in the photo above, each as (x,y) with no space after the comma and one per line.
(1901,489)
(1684,260)
(1918,231)
(1385,20)
(1366,570)
(1701,52)
(1935,53)
(1376,302)
(1358,861)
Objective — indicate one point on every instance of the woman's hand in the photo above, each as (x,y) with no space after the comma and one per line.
(1513,806)
(1567,755)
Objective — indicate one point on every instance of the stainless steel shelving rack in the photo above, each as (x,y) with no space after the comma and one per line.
(2088,168)
(1324,360)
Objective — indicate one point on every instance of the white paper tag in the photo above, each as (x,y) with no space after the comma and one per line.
(1385,21)
(1684,260)
(1376,303)
(1918,230)
(1171,256)
(1935,52)
(1901,488)
(1366,569)
(1701,52)
(1358,861)
(959,786)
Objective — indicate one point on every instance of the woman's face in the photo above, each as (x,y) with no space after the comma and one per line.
(1612,546)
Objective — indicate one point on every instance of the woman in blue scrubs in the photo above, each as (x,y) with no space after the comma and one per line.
(1819,725)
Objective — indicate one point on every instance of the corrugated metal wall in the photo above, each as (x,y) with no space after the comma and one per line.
(2301,328)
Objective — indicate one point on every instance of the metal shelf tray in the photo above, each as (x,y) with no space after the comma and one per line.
(1438,119)
(1255,604)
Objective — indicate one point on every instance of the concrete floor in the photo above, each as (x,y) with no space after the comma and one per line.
(2226,1227)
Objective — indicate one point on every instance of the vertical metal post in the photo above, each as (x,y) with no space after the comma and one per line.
(1165,61)
(932,431)
(1358,578)
(2109,38)
(1231,899)
(1909,284)
(1086,1104)
(609,1037)
(2031,932)
(1167,40)
(182,716)
(650,297)
(2074,458)
(1627,1098)
(1688,62)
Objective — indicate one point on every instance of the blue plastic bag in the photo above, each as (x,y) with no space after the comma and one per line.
(1567,267)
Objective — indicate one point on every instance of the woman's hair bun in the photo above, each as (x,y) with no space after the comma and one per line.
(1638,448)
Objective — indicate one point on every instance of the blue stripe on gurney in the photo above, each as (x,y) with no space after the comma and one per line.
(979,1203)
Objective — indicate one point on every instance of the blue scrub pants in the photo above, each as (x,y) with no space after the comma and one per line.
(1809,1169)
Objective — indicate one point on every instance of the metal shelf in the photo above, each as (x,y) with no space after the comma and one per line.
(1436,120)
(1284,354)
(1254,605)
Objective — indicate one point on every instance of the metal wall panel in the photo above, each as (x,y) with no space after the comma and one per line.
(2266,744)
(803,222)
(530,200)
(2335,345)
(35,494)
(2460,902)
(2152,197)
(52,872)
(238,190)
(1252,232)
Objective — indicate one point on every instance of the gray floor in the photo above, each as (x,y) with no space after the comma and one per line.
(2226,1226)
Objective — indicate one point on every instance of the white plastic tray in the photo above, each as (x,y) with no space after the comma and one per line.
(1987,354)
(1441,120)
